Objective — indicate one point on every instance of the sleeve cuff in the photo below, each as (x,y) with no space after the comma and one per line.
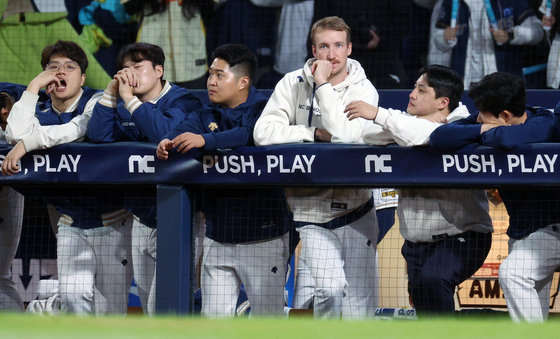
(108,100)
(133,104)
(32,142)
(382,116)
(209,141)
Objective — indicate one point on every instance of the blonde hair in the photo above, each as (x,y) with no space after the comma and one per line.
(330,22)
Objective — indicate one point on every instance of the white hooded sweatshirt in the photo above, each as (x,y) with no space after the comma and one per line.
(295,109)
(426,214)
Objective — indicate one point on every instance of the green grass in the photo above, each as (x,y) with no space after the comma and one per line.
(61,327)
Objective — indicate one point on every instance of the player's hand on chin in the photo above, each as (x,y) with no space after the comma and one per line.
(10,164)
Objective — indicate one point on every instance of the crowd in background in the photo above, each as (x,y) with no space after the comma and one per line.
(391,39)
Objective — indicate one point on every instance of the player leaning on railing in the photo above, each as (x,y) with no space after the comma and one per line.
(139,105)
(337,226)
(505,121)
(92,251)
(447,232)
(246,238)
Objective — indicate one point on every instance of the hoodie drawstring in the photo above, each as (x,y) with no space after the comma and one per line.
(311,107)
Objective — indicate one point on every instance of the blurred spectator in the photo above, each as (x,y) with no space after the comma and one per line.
(252,23)
(415,42)
(553,65)
(291,44)
(476,47)
(23,24)
(378,28)
(106,27)
(176,26)
(435,56)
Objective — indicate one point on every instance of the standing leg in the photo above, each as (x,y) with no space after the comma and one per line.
(322,250)
(359,246)
(76,270)
(262,269)
(304,286)
(219,282)
(144,263)
(114,268)
(11,220)
(450,262)
(525,274)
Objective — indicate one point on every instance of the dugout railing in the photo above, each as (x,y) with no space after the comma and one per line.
(534,165)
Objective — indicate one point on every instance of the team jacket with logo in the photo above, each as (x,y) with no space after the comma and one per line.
(236,215)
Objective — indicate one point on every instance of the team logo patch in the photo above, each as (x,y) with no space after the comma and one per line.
(213,126)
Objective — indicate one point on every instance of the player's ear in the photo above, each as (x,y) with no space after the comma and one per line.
(83,79)
(506,116)
(159,71)
(243,82)
(349,50)
(443,102)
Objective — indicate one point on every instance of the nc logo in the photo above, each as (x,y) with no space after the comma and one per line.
(378,163)
(142,162)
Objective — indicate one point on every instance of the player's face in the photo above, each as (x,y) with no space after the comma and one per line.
(70,76)
(223,84)
(149,78)
(422,100)
(332,46)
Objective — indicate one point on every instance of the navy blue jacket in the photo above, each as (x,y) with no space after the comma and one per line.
(528,209)
(149,122)
(236,215)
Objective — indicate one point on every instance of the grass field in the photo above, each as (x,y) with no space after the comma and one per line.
(61,327)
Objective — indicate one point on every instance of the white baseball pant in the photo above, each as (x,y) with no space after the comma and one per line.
(343,265)
(259,266)
(94,268)
(11,220)
(526,274)
(144,254)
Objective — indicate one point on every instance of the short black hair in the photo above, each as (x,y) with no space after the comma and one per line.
(6,101)
(68,49)
(242,61)
(445,82)
(498,92)
(140,51)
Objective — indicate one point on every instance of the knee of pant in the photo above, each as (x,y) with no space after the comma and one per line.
(333,291)
(506,272)
(73,293)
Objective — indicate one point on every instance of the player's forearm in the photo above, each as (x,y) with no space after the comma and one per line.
(22,120)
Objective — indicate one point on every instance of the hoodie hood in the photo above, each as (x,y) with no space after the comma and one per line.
(458,113)
(355,73)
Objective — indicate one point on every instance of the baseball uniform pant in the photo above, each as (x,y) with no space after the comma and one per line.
(94,268)
(11,219)
(343,266)
(436,268)
(526,274)
(144,241)
(259,266)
